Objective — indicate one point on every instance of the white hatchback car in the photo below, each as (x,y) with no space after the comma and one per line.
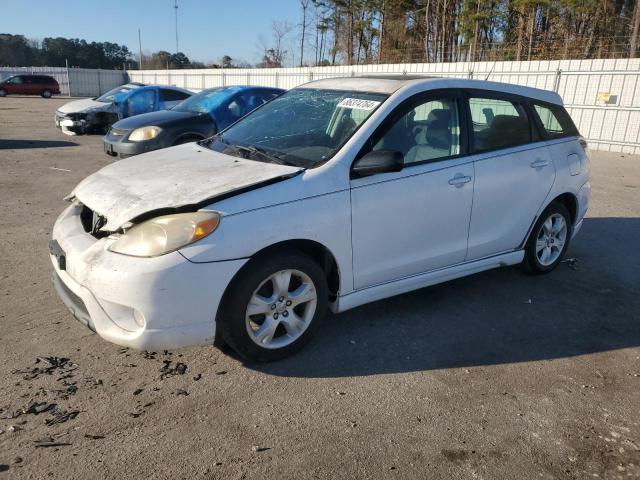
(338,193)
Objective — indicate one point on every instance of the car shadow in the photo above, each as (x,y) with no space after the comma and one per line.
(589,304)
(26,144)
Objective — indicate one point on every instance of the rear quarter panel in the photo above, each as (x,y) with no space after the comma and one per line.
(570,177)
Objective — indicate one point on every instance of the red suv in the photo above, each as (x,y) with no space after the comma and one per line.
(30,85)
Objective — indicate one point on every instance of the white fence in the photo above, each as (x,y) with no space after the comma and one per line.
(77,82)
(601,95)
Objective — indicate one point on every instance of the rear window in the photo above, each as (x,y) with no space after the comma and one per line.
(168,95)
(498,124)
(555,120)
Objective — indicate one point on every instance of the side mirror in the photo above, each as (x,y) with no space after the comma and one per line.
(378,161)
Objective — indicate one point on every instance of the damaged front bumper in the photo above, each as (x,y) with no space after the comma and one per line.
(143,303)
(72,124)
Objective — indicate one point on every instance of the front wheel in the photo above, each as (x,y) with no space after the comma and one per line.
(549,240)
(3,92)
(273,306)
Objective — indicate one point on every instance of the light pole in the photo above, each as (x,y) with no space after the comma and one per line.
(175,7)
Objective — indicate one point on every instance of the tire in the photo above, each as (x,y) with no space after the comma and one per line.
(46,94)
(549,240)
(3,92)
(266,334)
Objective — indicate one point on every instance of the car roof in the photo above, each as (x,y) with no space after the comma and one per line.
(389,84)
(242,88)
(166,87)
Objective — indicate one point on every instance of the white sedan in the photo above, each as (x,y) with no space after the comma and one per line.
(338,193)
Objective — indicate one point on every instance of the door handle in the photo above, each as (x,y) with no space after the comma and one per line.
(459,180)
(539,163)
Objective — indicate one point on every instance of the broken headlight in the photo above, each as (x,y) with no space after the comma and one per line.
(144,133)
(165,234)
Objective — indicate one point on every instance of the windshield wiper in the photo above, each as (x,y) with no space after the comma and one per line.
(250,149)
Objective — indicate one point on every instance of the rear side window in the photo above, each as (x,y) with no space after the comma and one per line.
(498,124)
(167,95)
(555,121)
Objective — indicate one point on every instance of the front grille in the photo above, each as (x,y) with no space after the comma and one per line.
(72,301)
(71,116)
(75,299)
(92,222)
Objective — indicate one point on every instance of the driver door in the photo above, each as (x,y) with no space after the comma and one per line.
(416,220)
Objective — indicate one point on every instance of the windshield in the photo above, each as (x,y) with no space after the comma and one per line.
(202,102)
(109,96)
(302,127)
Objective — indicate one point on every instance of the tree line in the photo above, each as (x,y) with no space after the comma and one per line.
(397,31)
(352,32)
(19,51)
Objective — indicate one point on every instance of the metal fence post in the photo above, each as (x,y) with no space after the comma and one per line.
(556,83)
(248,78)
(66,63)
(224,82)
(470,75)
(277,82)
(203,82)
(99,84)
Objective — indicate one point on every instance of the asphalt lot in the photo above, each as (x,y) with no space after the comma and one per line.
(496,376)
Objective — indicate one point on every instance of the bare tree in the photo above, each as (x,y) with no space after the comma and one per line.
(304,5)
(274,52)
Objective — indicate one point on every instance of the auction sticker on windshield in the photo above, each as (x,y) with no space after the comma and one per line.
(358,104)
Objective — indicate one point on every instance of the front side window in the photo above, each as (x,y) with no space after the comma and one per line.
(423,131)
(303,127)
(498,124)
(555,121)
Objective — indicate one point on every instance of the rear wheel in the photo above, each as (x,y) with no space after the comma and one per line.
(549,240)
(3,92)
(274,305)
(46,94)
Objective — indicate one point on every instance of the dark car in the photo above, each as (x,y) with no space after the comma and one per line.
(197,117)
(42,85)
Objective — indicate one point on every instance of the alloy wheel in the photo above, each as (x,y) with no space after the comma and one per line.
(281,309)
(551,239)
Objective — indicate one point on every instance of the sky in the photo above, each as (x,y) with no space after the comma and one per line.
(207,30)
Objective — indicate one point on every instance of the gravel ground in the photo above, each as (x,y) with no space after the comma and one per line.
(499,375)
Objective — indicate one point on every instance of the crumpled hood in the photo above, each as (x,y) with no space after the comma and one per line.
(78,106)
(170,178)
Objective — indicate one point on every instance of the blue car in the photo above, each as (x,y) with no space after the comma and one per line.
(197,117)
(98,114)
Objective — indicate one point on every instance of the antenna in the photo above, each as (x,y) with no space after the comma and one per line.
(175,7)
(490,72)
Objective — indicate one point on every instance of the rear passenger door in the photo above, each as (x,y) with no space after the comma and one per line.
(513,170)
